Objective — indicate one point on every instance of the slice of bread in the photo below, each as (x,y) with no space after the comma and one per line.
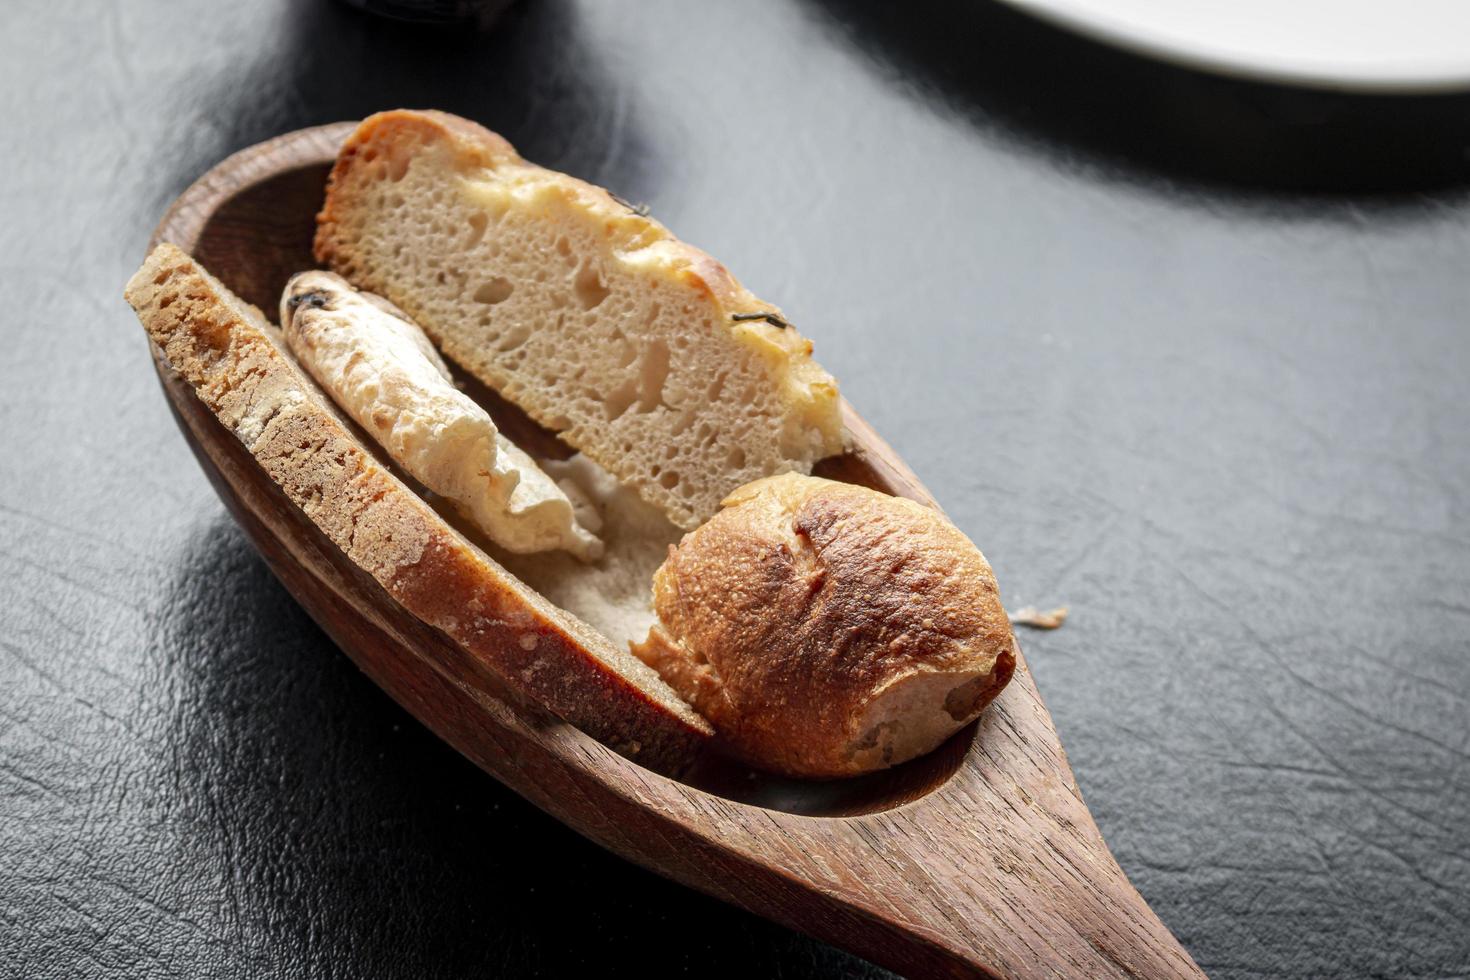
(238,366)
(639,350)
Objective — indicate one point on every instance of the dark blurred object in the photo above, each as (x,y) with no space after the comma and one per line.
(1022,79)
(483,12)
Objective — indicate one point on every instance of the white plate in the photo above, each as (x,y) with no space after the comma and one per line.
(1385,46)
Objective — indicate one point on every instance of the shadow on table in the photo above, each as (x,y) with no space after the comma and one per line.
(354,843)
(1066,96)
(531,76)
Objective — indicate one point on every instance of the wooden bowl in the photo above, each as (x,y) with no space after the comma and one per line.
(979,859)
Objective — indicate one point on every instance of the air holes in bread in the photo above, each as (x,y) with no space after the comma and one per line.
(620,399)
(398,167)
(497,290)
(623,282)
(655,372)
(479,221)
(514,337)
(588,286)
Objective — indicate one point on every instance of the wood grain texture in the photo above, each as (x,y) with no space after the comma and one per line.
(981,859)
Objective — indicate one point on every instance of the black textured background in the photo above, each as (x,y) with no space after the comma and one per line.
(1185,354)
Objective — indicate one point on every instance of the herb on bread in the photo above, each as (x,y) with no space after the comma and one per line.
(770,318)
(641,210)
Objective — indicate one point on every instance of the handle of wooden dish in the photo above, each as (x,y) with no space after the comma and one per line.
(1002,870)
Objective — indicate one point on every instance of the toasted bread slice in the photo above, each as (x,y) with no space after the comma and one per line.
(239,368)
(639,350)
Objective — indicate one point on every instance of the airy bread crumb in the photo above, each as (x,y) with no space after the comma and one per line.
(640,351)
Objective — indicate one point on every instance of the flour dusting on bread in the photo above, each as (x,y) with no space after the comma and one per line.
(380,368)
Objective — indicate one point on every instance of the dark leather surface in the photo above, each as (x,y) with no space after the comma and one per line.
(1187,355)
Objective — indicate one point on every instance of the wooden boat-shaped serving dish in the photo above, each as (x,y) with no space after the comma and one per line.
(980,859)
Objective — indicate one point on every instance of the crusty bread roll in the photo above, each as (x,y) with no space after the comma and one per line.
(237,365)
(826,630)
(639,350)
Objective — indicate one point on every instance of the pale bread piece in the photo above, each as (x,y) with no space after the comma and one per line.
(610,595)
(239,369)
(378,366)
(639,350)
(826,629)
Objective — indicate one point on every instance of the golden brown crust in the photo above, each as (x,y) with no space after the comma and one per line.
(475,146)
(795,619)
(472,144)
(237,369)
